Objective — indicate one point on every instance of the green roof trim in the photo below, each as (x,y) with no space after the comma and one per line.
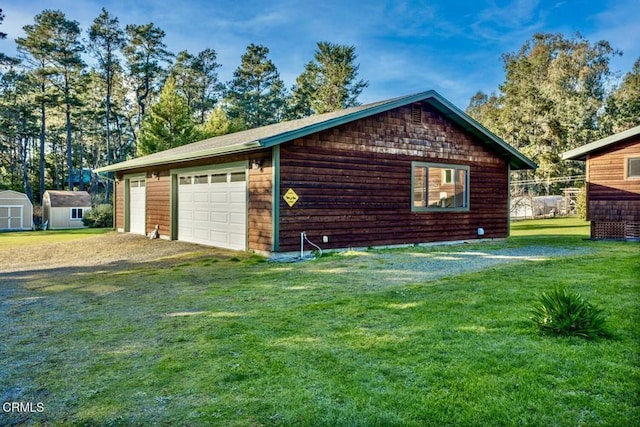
(272,135)
(581,153)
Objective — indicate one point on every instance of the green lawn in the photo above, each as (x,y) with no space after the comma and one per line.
(23,238)
(551,227)
(237,341)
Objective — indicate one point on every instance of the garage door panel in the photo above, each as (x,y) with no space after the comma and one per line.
(201,216)
(219,197)
(220,217)
(214,213)
(201,197)
(237,218)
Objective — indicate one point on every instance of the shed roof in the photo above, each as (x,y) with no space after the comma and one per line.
(69,199)
(581,153)
(275,134)
(10,194)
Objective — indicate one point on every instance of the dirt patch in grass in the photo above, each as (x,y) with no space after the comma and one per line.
(111,249)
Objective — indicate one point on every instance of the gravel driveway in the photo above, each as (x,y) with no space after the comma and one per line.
(115,251)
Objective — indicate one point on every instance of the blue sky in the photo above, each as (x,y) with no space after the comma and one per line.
(403,47)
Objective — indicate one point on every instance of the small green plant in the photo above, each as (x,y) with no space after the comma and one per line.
(563,313)
(100,216)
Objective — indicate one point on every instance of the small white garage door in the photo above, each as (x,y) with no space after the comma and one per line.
(212,208)
(137,206)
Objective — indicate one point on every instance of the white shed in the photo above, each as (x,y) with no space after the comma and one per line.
(65,209)
(16,211)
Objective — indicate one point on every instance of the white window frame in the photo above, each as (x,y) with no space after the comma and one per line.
(425,191)
(76,211)
(627,167)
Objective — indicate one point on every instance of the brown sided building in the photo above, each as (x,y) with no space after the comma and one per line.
(409,170)
(613,184)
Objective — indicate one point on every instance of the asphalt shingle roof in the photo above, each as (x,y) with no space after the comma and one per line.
(268,136)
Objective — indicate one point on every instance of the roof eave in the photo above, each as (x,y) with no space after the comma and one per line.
(133,164)
(331,123)
(582,152)
(516,159)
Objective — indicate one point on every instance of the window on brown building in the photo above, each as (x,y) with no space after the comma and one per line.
(439,187)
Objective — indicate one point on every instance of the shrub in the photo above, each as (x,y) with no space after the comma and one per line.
(581,204)
(99,217)
(561,312)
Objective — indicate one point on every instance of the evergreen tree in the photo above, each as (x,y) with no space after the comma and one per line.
(145,51)
(36,49)
(329,82)
(106,38)
(169,123)
(68,63)
(256,94)
(218,123)
(197,80)
(2,35)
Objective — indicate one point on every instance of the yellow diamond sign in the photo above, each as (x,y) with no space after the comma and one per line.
(290,197)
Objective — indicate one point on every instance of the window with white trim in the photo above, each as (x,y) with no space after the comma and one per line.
(77,213)
(633,168)
(439,187)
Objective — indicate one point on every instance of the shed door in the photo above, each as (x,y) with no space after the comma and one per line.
(10,217)
(212,208)
(137,206)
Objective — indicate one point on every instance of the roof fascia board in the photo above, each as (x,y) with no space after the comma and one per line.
(580,153)
(133,164)
(469,123)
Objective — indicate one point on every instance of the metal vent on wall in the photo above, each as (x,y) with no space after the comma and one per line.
(416,113)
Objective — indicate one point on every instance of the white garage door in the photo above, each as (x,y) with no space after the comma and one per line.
(212,208)
(137,206)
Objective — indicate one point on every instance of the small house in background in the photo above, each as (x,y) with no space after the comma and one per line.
(65,209)
(613,184)
(16,211)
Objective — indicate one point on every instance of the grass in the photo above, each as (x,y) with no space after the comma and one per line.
(568,226)
(29,238)
(237,341)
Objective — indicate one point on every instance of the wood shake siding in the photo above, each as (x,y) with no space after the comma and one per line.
(119,197)
(158,210)
(259,210)
(354,183)
(613,199)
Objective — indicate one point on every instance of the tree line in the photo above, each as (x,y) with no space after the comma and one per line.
(558,93)
(59,114)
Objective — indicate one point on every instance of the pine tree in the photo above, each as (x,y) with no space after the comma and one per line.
(145,51)
(106,38)
(169,123)
(218,123)
(329,82)
(197,80)
(256,94)
(68,63)
(36,49)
